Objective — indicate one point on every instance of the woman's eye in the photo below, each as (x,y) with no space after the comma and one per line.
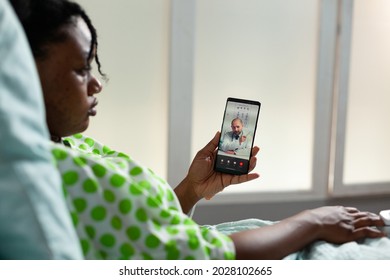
(85,70)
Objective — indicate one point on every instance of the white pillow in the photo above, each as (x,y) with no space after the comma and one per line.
(34,221)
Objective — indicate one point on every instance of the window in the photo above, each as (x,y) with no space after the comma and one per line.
(363,153)
(294,57)
(320,69)
(241,52)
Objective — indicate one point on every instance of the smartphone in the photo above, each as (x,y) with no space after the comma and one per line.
(237,136)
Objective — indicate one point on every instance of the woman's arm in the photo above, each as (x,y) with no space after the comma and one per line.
(334,224)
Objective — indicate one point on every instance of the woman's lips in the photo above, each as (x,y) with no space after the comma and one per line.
(92,111)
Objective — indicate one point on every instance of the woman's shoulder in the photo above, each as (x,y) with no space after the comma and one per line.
(87,144)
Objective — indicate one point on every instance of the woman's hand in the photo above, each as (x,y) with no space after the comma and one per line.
(335,224)
(340,224)
(203,182)
(207,182)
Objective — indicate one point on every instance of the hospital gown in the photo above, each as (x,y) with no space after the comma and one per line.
(122,210)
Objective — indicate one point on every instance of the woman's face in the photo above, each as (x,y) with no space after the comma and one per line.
(68,85)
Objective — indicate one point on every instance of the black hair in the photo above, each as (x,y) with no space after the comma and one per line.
(42,21)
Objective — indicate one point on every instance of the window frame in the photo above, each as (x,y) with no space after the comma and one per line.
(338,187)
(334,39)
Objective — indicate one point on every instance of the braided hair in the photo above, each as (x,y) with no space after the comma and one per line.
(43,20)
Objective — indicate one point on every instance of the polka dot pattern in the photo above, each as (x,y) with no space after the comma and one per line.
(122,210)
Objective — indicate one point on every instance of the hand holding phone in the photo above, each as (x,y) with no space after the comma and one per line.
(237,136)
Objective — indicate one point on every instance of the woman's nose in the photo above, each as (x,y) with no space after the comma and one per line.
(95,86)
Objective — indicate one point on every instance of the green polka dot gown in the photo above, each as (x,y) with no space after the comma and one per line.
(122,210)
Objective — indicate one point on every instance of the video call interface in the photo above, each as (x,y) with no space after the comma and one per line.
(239,161)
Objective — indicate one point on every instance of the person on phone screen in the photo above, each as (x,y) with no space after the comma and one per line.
(238,140)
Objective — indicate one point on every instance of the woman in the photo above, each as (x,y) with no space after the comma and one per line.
(123,210)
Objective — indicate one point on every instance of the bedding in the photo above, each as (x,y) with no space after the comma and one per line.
(34,221)
(366,249)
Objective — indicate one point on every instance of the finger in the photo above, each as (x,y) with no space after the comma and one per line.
(351,209)
(255,150)
(244,178)
(369,220)
(362,214)
(366,215)
(253,159)
(370,232)
(252,163)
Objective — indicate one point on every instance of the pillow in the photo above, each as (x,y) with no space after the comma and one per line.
(34,221)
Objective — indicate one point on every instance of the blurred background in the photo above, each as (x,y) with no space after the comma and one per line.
(321,70)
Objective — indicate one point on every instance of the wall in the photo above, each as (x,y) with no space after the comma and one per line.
(133,117)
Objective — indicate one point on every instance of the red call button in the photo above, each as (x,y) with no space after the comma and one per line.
(241,163)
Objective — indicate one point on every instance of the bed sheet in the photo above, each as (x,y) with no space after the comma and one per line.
(366,249)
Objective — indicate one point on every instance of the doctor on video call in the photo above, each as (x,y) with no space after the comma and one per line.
(238,140)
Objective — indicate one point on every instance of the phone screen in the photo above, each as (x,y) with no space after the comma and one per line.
(237,136)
